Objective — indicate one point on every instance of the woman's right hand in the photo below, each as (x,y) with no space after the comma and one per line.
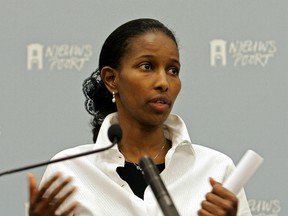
(43,203)
(219,201)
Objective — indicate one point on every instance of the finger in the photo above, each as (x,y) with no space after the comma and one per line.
(64,197)
(33,188)
(53,206)
(71,209)
(212,181)
(58,189)
(224,193)
(221,197)
(46,186)
(212,208)
(203,212)
(220,190)
(219,205)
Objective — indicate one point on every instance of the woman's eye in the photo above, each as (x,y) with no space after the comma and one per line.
(174,71)
(146,66)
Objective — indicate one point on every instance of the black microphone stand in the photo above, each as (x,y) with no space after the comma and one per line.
(152,178)
(114,135)
(56,160)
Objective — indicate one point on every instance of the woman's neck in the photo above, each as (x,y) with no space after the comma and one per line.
(138,141)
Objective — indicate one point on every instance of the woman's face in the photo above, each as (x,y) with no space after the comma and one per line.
(148,79)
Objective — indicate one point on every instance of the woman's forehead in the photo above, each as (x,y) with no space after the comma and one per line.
(150,43)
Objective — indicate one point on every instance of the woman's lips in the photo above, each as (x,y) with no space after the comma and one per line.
(160,103)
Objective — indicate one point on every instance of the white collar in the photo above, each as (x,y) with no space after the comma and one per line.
(174,129)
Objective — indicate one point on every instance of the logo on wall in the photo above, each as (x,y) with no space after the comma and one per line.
(241,53)
(265,207)
(58,57)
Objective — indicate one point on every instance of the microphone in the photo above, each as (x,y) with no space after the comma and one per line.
(114,135)
(152,178)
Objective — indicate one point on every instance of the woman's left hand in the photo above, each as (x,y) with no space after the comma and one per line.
(219,201)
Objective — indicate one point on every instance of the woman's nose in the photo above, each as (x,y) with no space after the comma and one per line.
(161,81)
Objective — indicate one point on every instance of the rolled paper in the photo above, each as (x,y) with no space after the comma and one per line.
(244,170)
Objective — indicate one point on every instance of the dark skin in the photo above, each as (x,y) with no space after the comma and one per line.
(151,68)
(146,85)
(219,201)
(46,205)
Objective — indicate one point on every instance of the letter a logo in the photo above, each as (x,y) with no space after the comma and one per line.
(218,54)
(35,56)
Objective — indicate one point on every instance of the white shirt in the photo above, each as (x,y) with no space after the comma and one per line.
(101,191)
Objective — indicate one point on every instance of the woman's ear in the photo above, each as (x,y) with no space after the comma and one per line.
(109,75)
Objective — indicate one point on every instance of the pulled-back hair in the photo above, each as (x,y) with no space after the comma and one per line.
(98,98)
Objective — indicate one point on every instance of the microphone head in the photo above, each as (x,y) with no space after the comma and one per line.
(115,132)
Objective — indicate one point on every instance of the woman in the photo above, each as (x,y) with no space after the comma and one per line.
(136,86)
